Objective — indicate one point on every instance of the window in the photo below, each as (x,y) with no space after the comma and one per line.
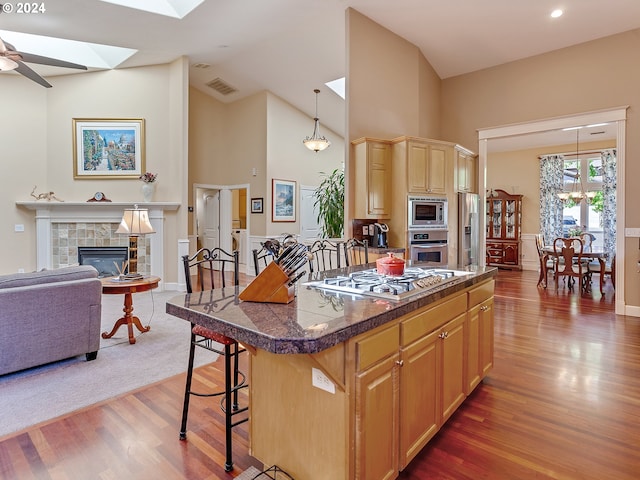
(584,175)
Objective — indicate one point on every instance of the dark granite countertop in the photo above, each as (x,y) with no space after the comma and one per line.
(316,320)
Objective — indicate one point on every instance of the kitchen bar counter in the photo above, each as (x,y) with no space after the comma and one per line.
(351,387)
(315,321)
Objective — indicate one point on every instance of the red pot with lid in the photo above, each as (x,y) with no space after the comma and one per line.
(390,265)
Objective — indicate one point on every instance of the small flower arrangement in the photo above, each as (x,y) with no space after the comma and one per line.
(148,177)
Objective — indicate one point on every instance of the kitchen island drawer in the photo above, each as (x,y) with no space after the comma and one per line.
(431,318)
(375,346)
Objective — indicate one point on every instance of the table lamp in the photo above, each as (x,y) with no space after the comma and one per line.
(135,222)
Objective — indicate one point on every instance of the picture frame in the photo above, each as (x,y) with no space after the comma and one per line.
(256,205)
(283,200)
(108,148)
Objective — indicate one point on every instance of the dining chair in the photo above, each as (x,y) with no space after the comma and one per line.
(356,252)
(547,262)
(609,270)
(568,249)
(212,267)
(325,255)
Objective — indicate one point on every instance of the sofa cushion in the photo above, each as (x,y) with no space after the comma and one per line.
(48,276)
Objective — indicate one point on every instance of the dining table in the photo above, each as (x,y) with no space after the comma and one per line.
(593,252)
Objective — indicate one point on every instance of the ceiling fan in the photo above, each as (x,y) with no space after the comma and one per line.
(11,59)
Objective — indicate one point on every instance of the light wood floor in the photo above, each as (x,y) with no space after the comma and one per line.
(562,402)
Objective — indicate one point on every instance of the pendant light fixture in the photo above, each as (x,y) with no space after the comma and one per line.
(316,142)
(576,196)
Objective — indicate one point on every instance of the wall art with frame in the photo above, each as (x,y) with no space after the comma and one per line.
(283,200)
(256,205)
(108,148)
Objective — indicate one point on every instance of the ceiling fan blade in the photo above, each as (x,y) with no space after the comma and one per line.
(30,74)
(32,58)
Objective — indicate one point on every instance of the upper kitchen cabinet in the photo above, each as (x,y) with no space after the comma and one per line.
(429,165)
(465,170)
(372,182)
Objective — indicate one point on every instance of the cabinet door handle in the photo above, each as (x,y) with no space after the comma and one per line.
(443,335)
(484,308)
(400,362)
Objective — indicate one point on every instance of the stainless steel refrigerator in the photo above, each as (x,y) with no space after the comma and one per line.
(468,228)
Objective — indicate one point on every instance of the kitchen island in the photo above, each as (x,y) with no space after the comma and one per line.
(350,386)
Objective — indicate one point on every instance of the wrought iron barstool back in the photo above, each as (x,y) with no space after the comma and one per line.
(356,252)
(325,255)
(209,265)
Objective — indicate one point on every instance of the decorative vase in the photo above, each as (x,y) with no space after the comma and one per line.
(148,190)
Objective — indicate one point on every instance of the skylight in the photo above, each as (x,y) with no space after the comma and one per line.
(92,55)
(338,86)
(168,8)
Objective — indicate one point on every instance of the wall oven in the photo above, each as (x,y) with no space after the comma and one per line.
(427,212)
(428,246)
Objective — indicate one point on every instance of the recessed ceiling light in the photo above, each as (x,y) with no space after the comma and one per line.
(556,13)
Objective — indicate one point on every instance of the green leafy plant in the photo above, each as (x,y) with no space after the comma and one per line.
(329,200)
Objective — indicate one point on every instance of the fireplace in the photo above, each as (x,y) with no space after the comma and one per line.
(104,259)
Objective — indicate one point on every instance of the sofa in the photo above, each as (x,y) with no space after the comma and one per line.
(48,316)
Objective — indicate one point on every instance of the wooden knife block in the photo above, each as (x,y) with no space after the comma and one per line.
(270,286)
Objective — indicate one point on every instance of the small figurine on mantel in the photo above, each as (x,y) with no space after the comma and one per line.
(48,196)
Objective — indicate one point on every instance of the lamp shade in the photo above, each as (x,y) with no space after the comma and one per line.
(135,222)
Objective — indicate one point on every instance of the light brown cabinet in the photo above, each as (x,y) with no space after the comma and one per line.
(432,372)
(429,166)
(480,334)
(465,170)
(372,181)
(504,219)
(395,386)
(376,405)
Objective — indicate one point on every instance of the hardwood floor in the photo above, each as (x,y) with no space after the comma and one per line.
(562,402)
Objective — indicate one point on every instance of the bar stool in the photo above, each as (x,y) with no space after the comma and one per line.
(207,263)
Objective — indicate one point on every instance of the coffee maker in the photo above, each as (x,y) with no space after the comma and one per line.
(379,237)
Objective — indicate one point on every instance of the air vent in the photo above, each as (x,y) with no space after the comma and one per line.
(221,86)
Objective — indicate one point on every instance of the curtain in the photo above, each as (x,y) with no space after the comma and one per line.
(609,187)
(551,183)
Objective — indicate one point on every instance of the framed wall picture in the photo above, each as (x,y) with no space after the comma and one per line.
(256,205)
(283,200)
(108,148)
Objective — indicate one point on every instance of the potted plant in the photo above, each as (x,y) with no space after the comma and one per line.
(329,200)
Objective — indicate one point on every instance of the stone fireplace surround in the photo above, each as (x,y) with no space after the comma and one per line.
(60,225)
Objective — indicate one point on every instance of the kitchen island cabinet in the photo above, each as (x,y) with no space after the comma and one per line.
(340,384)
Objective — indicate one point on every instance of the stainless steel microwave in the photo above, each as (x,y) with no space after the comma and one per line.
(427,212)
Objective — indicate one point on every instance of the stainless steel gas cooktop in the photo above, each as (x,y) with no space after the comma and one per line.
(393,287)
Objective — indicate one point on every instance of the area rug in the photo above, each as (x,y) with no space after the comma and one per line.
(39,394)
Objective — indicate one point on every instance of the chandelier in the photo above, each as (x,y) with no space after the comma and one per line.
(315,142)
(577,193)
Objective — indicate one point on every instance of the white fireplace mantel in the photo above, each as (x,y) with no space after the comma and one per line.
(49,212)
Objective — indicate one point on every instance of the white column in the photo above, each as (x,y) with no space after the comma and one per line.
(43,239)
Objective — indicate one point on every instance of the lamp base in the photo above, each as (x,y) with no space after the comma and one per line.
(133,255)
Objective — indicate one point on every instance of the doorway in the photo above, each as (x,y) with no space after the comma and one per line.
(220,218)
(615,115)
